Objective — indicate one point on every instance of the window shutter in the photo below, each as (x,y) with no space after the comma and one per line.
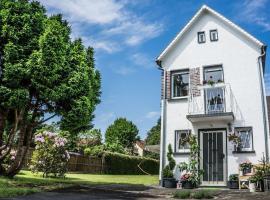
(168,85)
(195,81)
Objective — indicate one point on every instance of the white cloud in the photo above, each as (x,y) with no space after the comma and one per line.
(142,60)
(152,114)
(254,11)
(114,22)
(124,70)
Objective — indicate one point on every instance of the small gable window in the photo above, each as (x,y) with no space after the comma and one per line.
(201,37)
(182,140)
(213,35)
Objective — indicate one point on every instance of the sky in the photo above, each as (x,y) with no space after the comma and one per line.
(128,35)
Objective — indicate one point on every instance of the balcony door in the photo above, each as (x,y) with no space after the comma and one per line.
(214,96)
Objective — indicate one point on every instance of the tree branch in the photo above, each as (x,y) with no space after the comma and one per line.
(40,122)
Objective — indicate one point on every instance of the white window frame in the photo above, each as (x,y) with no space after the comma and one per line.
(186,71)
(199,38)
(246,129)
(211,32)
(177,134)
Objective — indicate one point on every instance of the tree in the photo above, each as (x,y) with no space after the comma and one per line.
(153,136)
(123,132)
(42,74)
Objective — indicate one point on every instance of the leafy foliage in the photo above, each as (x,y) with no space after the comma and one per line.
(101,149)
(42,74)
(123,132)
(50,156)
(167,172)
(124,164)
(153,136)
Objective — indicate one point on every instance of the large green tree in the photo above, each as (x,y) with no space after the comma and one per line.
(123,132)
(153,135)
(42,74)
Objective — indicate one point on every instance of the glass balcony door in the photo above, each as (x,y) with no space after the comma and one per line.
(214,100)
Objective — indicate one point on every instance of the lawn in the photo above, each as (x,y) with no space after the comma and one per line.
(27,183)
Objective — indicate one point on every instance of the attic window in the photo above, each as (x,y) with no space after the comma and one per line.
(213,35)
(201,37)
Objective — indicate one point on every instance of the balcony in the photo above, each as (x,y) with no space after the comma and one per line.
(216,103)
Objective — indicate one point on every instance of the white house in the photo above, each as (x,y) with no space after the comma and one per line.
(213,86)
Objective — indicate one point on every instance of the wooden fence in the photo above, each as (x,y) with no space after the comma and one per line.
(77,163)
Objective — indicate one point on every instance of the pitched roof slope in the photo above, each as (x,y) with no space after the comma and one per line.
(202,10)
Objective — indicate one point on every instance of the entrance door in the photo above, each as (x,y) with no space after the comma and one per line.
(213,157)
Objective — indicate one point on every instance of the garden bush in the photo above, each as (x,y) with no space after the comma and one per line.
(50,156)
(198,194)
(182,194)
(124,164)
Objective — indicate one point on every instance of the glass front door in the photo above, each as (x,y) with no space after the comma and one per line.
(213,161)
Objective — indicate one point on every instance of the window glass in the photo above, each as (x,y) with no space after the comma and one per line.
(201,37)
(213,35)
(245,135)
(213,74)
(180,84)
(182,140)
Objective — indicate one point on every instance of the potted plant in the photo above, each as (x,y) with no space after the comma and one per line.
(233,181)
(167,173)
(252,182)
(186,180)
(245,167)
(235,139)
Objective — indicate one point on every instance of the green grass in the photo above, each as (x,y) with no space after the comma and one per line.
(27,183)
(195,194)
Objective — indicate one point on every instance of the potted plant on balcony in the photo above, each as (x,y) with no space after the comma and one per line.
(233,181)
(187,181)
(245,167)
(167,173)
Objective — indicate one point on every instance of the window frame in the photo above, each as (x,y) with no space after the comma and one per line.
(210,35)
(184,71)
(198,37)
(176,140)
(250,129)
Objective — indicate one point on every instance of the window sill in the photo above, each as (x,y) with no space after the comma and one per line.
(182,153)
(179,98)
(239,152)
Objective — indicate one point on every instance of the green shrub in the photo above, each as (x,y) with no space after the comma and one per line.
(202,194)
(124,164)
(167,171)
(182,194)
(149,154)
(50,156)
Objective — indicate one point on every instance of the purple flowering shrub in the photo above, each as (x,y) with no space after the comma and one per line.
(50,156)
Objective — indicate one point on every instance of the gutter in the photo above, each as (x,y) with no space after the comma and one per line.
(163,124)
(261,63)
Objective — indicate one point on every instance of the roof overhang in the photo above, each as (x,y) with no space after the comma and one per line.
(202,10)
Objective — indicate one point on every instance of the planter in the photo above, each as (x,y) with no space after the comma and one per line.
(233,184)
(266,180)
(246,171)
(188,185)
(252,187)
(169,183)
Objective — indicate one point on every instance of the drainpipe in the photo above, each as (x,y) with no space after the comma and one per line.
(163,122)
(263,98)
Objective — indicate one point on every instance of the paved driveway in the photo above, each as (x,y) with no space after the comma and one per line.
(132,192)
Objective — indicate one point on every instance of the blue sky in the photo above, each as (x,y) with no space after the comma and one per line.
(128,35)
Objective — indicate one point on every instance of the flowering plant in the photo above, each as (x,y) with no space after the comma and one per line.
(246,165)
(50,156)
(186,177)
(234,138)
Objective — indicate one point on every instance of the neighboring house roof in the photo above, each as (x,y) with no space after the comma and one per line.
(268,108)
(205,9)
(140,144)
(152,148)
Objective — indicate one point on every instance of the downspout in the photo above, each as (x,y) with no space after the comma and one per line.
(163,122)
(264,108)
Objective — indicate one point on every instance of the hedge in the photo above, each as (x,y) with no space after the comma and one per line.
(124,164)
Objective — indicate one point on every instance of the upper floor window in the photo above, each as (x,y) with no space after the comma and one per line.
(182,140)
(180,84)
(213,35)
(246,138)
(213,74)
(201,37)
